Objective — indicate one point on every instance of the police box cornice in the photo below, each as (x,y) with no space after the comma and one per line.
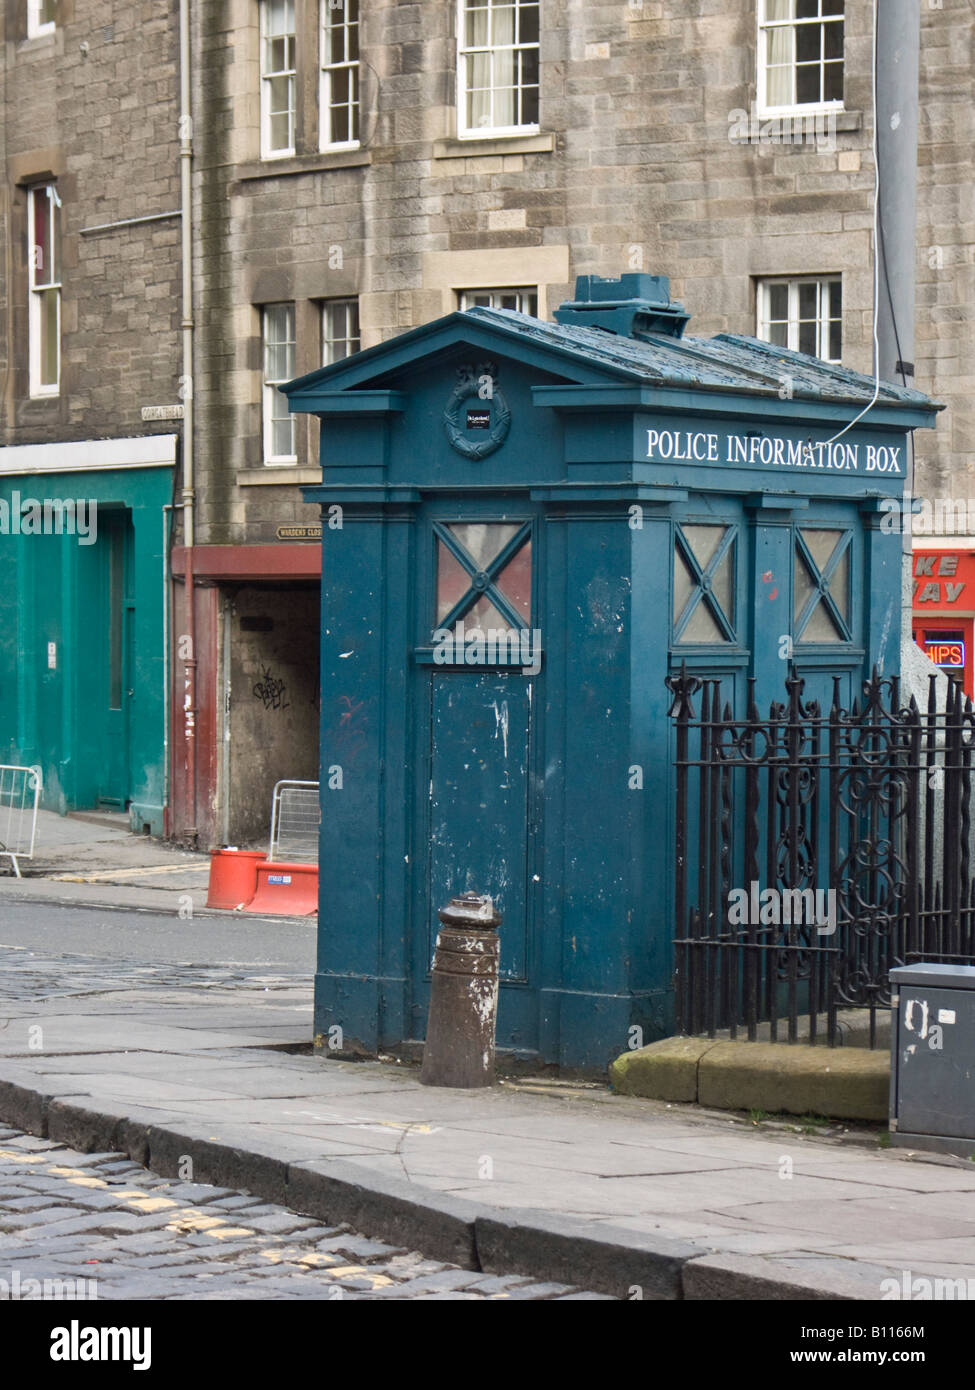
(772,411)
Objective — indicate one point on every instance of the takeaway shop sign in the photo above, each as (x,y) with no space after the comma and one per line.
(755,450)
(941,577)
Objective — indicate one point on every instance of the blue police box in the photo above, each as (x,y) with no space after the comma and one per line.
(526,527)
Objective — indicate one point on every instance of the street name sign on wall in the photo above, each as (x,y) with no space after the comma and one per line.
(299,533)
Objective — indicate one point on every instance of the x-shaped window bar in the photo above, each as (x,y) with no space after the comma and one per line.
(704,581)
(483,580)
(821,581)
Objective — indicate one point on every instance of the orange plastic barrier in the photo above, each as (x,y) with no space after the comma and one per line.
(285,890)
(233,877)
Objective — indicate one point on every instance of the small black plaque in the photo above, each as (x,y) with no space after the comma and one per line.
(479,419)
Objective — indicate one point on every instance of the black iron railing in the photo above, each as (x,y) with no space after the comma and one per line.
(814,852)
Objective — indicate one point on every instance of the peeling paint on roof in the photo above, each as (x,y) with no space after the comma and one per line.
(728,362)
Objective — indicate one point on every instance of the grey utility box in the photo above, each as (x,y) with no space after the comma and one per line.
(932,1063)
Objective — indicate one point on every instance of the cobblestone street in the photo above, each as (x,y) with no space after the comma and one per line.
(67,1217)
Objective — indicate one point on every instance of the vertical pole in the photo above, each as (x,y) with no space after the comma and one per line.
(898,63)
(898,42)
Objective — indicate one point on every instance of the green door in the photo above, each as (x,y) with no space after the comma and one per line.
(116,543)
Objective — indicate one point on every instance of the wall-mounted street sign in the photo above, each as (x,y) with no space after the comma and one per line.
(162,412)
(299,533)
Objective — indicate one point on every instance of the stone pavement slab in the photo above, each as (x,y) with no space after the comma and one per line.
(186,1068)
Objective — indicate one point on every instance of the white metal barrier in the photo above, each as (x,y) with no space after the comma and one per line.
(20,793)
(295,819)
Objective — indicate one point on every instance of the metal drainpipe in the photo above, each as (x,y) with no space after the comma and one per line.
(225,750)
(167,582)
(189,493)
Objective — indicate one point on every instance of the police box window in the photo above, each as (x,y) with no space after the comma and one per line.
(822,586)
(484,577)
(705,579)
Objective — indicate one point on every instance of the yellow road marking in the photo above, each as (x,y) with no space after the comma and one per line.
(141,872)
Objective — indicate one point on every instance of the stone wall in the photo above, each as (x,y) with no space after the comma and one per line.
(94,106)
(633,169)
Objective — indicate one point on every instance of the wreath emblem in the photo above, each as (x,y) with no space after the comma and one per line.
(479,383)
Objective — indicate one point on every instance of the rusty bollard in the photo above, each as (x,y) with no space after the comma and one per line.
(459,1050)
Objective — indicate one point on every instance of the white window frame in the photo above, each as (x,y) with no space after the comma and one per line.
(271,396)
(327,68)
(823,320)
(36,27)
(794,107)
(465,298)
(349,307)
(41,288)
(465,132)
(267,151)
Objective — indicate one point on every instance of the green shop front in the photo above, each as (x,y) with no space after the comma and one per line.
(527,527)
(82,583)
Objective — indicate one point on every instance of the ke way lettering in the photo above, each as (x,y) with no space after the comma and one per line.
(760,450)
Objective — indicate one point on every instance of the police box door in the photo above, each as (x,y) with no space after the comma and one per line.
(477,703)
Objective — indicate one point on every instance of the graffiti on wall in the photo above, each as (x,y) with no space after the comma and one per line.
(270,691)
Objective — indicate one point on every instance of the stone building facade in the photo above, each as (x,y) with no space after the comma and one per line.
(89,336)
(362,168)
